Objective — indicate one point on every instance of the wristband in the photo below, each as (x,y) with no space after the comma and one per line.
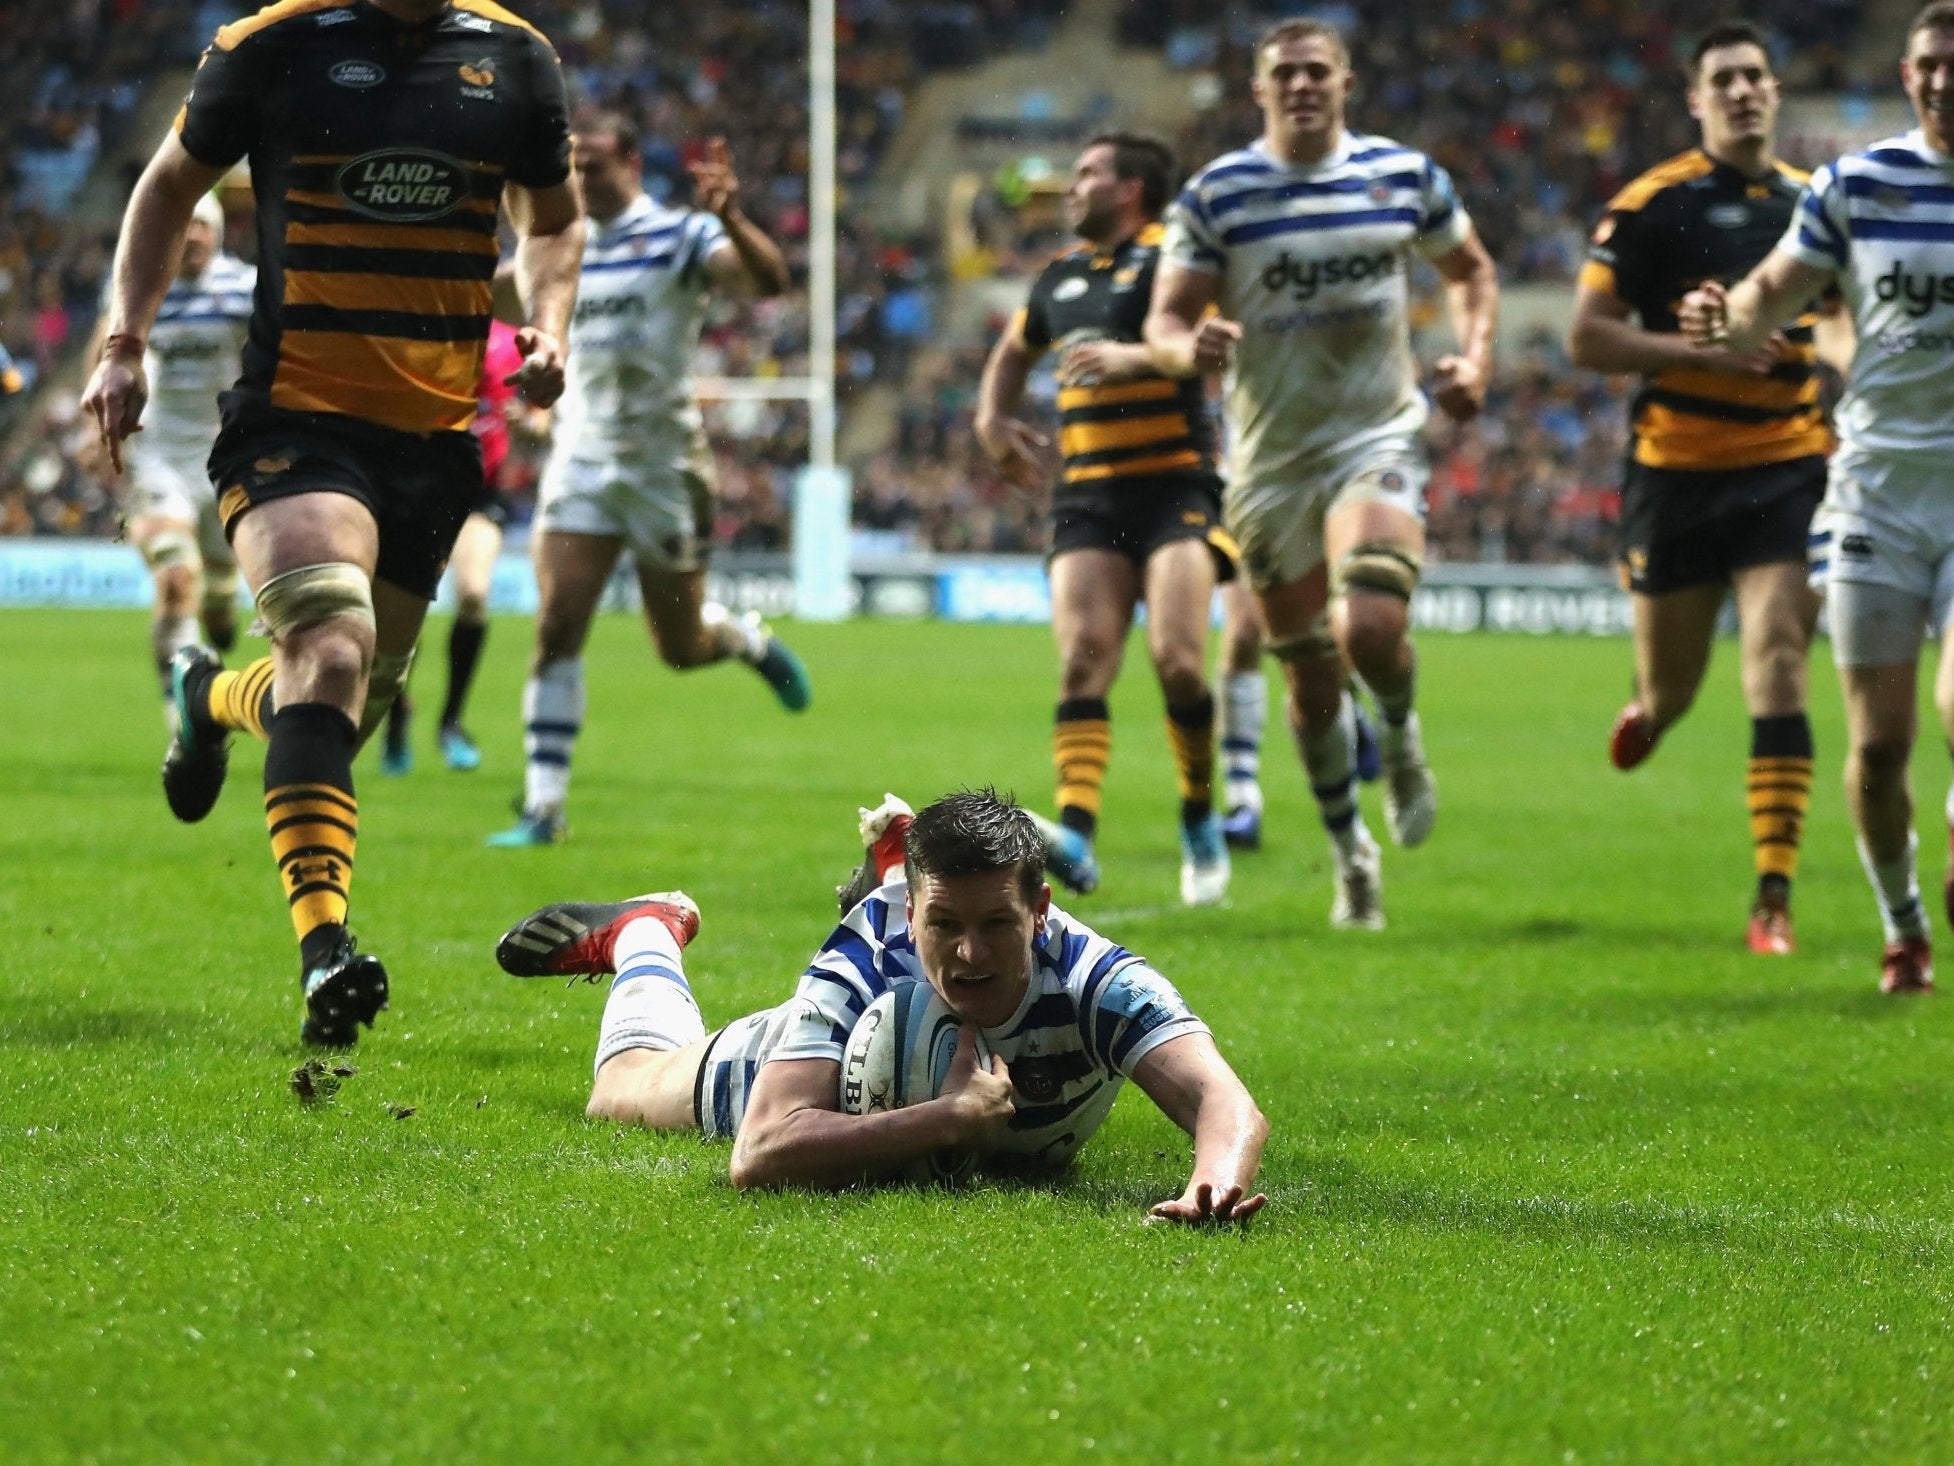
(119,342)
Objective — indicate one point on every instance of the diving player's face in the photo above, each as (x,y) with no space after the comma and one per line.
(1092,197)
(1735,96)
(1301,86)
(973,936)
(1928,74)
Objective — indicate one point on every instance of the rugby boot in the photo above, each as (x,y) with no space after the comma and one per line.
(1204,863)
(1769,934)
(1069,856)
(199,754)
(1410,792)
(1359,905)
(458,750)
(543,828)
(397,751)
(579,938)
(346,990)
(883,830)
(781,668)
(1906,966)
(1633,739)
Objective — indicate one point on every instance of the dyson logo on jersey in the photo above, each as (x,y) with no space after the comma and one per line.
(190,350)
(1918,293)
(403,185)
(605,307)
(1303,278)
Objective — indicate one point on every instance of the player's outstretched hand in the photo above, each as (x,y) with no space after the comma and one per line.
(540,377)
(980,1093)
(1214,343)
(1458,387)
(1016,448)
(1704,314)
(1203,1203)
(715,186)
(115,397)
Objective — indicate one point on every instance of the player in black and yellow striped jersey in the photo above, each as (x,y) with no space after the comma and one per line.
(1728,462)
(1137,506)
(383,137)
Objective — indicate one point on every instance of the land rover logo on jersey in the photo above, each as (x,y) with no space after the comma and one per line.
(356,74)
(403,184)
(1070,289)
(1728,216)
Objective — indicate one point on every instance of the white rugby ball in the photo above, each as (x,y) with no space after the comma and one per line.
(898,1055)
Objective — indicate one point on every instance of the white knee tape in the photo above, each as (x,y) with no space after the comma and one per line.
(170,547)
(383,684)
(314,593)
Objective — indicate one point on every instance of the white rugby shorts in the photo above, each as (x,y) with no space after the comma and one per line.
(1279,523)
(175,486)
(1882,550)
(663,512)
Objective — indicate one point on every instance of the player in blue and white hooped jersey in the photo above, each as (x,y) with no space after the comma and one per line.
(629,469)
(956,898)
(170,509)
(1880,225)
(1286,264)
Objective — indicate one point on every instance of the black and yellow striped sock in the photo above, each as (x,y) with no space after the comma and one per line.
(313,820)
(1778,793)
(1190,733)
(241,700)
(1082,743)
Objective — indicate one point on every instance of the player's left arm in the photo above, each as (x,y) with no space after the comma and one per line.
(747,259)
(1459,380)
(549,257)
(1194,1087)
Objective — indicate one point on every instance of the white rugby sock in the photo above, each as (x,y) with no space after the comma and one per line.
(1244,713)
(169,635)
(650,1006)
(733,636)
(1898,888)
(552,716)
(1329,757)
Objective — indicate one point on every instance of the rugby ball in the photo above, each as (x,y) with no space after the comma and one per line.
(898,1055)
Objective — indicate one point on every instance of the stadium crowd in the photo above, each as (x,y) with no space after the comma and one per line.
(1539,114)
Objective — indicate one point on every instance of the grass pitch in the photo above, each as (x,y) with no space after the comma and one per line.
(1557,1169)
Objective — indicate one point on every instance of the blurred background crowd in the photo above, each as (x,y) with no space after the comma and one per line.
(1540,109)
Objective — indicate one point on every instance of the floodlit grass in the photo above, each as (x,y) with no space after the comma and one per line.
(1558,1171)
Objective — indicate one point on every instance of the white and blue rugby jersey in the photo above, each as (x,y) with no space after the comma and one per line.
(1312,260)
(195,350)
(1882,221)
(640,305)
(1092,1012)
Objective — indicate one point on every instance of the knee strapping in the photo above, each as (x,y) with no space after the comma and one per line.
(220,585)
(1313,643)
(383,685)
(314,593)
(1380,566)
(170,547)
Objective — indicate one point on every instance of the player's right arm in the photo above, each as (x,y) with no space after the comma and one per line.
(145,261)
(1184,333)
(1743,317)
(795,1134)
(1014,445)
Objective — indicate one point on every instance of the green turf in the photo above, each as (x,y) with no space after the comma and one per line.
(1558,1171)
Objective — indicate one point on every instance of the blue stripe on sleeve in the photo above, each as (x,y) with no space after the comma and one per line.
(1270,228)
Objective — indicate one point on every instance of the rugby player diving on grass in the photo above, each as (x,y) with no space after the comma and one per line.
(952,896)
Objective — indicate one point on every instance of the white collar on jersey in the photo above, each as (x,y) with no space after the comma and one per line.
(1917,140)
(639,209)
(1346,144)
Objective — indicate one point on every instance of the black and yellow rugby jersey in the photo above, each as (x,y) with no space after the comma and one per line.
(1685,221)
(1156,424)
(378,155)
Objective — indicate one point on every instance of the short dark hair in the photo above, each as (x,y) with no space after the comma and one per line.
(1728,33)
(1938,16)
(1299,29)
(974,832)
(1145,157)
(619,125)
